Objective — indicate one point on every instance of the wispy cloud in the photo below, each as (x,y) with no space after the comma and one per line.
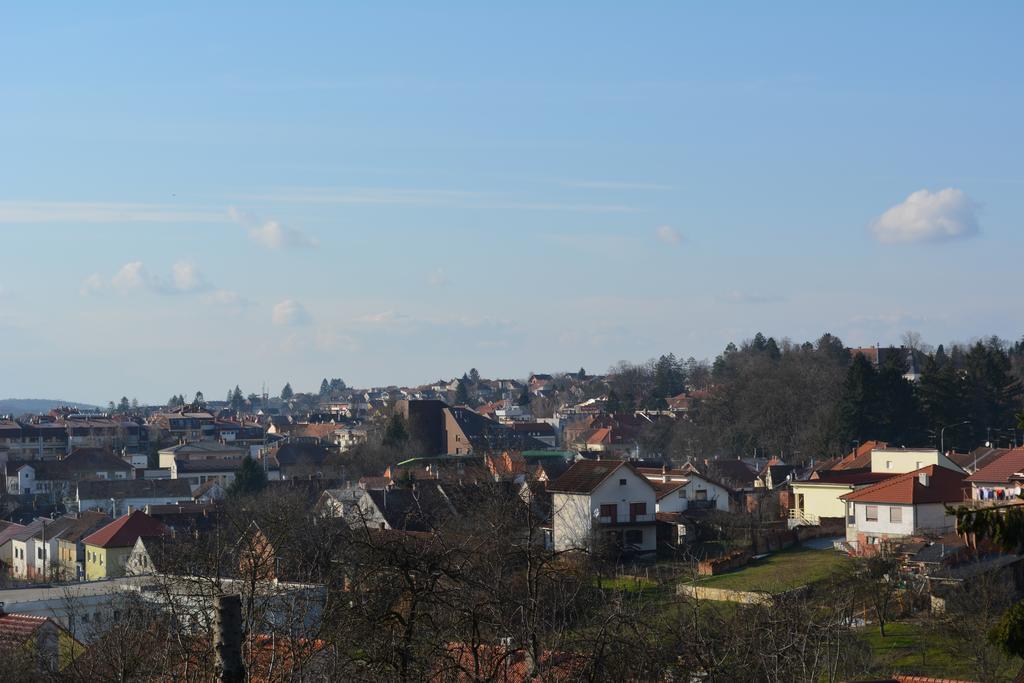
(668,235)
(614,185)
(928,217)
(272,234)
(425,198)
(737,297)
(290,313)
(103,212)
(225,297)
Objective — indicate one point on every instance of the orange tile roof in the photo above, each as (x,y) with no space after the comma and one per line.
(944,486)
(1002,469)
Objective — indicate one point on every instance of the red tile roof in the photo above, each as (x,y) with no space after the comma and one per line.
(944,486)
(1003,469)
(124,531)
(15,629)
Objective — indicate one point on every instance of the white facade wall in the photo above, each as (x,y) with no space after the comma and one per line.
(122,504)
(573,515)
(674,502)
(933,517)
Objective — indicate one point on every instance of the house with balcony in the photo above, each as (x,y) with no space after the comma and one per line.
(903,506)
(603,504)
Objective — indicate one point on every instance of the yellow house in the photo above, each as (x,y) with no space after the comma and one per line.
(107,550)
(815,499)
(818,497)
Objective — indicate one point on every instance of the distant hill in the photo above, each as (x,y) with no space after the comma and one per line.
(21,406)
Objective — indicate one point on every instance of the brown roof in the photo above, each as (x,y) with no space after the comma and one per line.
(851,478)
(124,531)
(586,475)
(663,488)
(1002,469)
(944,486)
(860,457)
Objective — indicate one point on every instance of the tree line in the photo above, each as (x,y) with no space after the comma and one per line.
(817,399)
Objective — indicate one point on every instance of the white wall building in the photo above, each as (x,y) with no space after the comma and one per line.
(603,501)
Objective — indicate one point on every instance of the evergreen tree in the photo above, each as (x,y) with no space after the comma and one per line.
(462,392)
(286,393)
(474,376)
(123,405)
(135,404)
(581,375)
(199,399)
(250,479)
(237,400)
(395,434)
(614,404)
(325,388)
(524,396)
(857,418)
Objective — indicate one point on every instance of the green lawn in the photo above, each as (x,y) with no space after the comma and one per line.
(907,649)
(781,571)
(628,584)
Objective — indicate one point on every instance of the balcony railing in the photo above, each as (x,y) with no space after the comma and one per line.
(625,519)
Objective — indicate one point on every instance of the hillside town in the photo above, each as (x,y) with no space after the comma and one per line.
(347,523)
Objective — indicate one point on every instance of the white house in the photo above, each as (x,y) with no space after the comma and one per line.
(607,501)
(679,491)
(910,504)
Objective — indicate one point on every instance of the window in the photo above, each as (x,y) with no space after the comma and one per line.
(622,482)
(637,510)
(871,513)
(609,510)
(895,514)
(682,493)
(888,464)
(702,494)
(917,465)
(635,537)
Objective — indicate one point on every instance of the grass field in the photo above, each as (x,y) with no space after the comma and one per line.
(781,571)
(908,649)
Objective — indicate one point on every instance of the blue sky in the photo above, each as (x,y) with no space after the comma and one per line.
(193,197)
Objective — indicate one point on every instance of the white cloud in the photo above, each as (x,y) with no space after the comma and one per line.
(928,217)
(271,234)
(186,277)
(91,284)
(438,278)
(131,276)
(668,234)
(290,313)
(103,212)
(135,276)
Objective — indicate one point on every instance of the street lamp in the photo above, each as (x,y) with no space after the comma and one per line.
(942,435)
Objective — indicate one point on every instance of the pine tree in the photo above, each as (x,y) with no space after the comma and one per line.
(474,376)
(857,418)
(395,434)
(325,388)
(462,392)
(250,479)
(286,393)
